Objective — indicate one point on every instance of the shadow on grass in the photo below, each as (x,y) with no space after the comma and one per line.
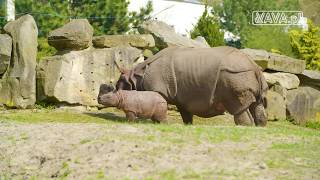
(119,119)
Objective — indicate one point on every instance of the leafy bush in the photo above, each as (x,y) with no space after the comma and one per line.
(110,17)
(44,105)
(306,45)
(236,16)
(208,27)
(270,38)
(313,124)
(44,49)
(107,17)
(2,14)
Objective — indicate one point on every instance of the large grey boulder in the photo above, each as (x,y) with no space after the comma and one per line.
(303,104)
(5,52)
(18,85)
(147,53)
(286,80)
(75,35)
(75,77)
(165,35)
(276,108)
(279,89)
(133,40)
(276,62)
(310,78)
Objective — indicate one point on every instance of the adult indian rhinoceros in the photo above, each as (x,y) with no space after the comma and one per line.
(203,81)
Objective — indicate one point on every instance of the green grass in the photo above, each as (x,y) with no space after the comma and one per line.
(110,115)
(313,124)
(50,116)
(204,130)
(288,147)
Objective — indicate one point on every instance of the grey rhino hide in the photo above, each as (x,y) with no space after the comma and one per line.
(188,77)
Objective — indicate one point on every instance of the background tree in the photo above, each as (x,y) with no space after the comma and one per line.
(208,27)
(235,17)
(106,16)
(109,16)
(306,45)
(2,14)
(270,38)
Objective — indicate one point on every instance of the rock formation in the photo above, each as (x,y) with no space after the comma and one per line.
(5,52)
(75,77)
(75,35)
(135,40)
(276,62)
(18,84)
(165,35)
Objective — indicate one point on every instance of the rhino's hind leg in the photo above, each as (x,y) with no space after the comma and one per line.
(259,114)
(244,118)
(186,116)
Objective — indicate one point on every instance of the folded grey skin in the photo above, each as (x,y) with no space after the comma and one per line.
(203,81)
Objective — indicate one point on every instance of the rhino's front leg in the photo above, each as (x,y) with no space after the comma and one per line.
(244,118)
(186,116)
(131,116)
(259,114)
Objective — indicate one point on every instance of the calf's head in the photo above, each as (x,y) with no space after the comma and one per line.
(107,96)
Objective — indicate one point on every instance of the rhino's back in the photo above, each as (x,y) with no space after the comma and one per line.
(188,76)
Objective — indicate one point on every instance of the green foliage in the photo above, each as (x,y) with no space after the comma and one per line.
(138,18)
(270,38)
(208,27)
(2,14)
(236,16)
(44,105)
(110,17)
(311,10)
(313,124)
(48,15)
(44,49)
(107,17)
(306,45)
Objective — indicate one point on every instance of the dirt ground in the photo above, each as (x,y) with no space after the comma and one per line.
(149,151)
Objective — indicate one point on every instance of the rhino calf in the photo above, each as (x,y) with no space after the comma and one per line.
(143,104)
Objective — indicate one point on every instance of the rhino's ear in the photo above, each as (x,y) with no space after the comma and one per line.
(124,82)
(106,88)
(121,69)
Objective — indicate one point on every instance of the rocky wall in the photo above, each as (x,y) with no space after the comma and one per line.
(294,92)
(18,52)
(83,62)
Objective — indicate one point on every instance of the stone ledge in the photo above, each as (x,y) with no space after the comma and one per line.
(276,62)
(135,40)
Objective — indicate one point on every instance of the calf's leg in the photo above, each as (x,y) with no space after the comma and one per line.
(162,118)
(160,113)
(130,116)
